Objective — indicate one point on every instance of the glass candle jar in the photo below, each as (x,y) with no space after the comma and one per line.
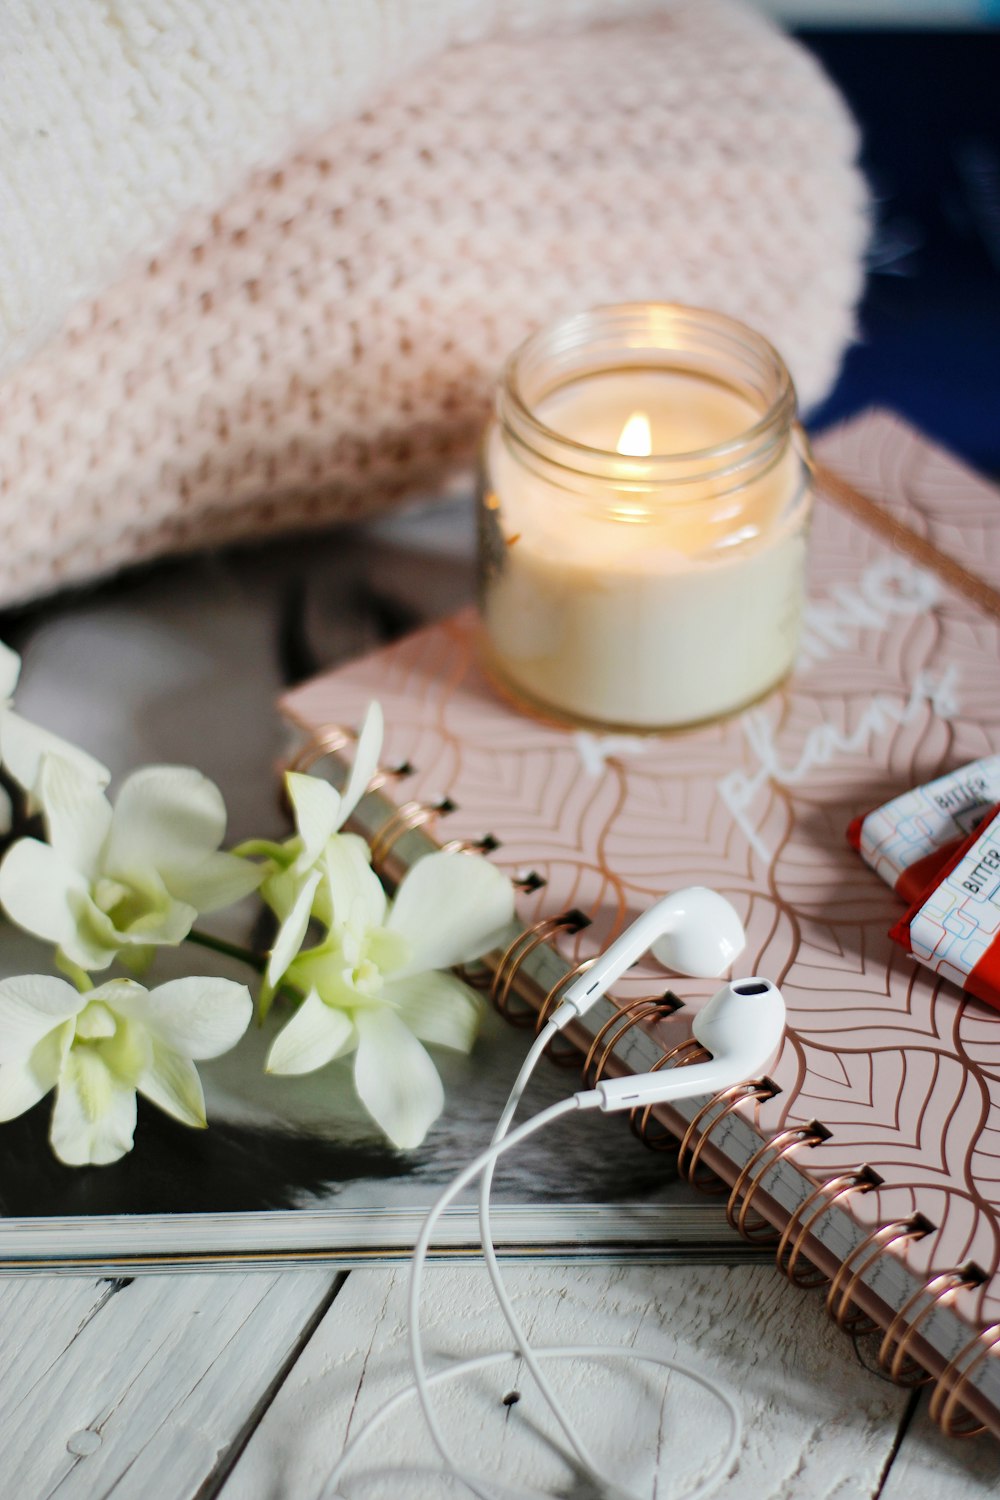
(644,507)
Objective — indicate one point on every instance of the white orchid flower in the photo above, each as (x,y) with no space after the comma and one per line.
(98,1049)
(23,746)
(295,889)
(375,988)
(114,881)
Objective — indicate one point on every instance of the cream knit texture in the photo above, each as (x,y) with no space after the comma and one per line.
(326,337)
(119,116)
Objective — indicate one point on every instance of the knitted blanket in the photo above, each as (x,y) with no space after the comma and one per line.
(201,346)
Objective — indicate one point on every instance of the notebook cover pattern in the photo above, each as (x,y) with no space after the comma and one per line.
(896,683)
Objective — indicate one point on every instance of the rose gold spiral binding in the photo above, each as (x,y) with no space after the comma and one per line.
(696,1136)
(327,740)
(330,740)
(644,1123)
(625,1017)
(802,1222)
(407,817)
(484,845)
(564,1053)
(750,1178)
(384,774)
(514,955)
(563,983)
(894,1352)
(946,1406)
(606,1039)
(840,1296)
(477,979)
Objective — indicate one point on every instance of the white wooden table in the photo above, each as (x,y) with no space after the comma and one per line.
(247,1385)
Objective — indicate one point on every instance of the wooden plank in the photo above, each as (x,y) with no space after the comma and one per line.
(142,1390)
(38,1322)
(816,1421)
(930,1466)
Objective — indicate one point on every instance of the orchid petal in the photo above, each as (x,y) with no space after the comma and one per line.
(395,1078)
(198,1017)
(77,814)
(129,1052)
(438,1008)
(279,890)
(97,940)
(159,918)
(95,1022)
(166,818)
(318,814)
(93,1121)
(292,930)
(171,1082)
(330,971)
(32,1005)
(10,671)
(25,747)
(365,764)
(218,881)
(167,928)
(450,908)
(267,849)
(94,943)
(313,1037)
(24,1082)
(354,890)
(36,884)
(117,995)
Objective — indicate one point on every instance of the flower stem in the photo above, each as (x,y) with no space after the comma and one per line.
(230,950)
(73,972)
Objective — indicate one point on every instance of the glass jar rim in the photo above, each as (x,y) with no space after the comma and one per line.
(639,322)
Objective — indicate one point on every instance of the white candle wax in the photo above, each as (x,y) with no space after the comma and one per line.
(635,605)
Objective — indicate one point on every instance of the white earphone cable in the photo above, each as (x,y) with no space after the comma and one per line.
(493,1266)
(741,1029)
(423,1382)
(561,1351)
(467,1175)
(420,1378)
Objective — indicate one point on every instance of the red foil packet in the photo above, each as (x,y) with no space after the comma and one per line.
(909,840)
(954,927)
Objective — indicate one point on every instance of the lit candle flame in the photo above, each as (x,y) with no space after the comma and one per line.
(636,440)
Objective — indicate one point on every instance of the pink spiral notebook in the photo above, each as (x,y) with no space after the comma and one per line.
(873,1148)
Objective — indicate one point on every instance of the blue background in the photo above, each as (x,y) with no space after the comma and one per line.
(928,103)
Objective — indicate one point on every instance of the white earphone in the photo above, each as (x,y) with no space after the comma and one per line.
(741,1026)
(693,931)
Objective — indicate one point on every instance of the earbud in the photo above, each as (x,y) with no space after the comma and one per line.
(701,935)
(741,1026)
(693,931)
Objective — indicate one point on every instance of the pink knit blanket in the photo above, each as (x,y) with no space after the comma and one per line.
(326,338)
